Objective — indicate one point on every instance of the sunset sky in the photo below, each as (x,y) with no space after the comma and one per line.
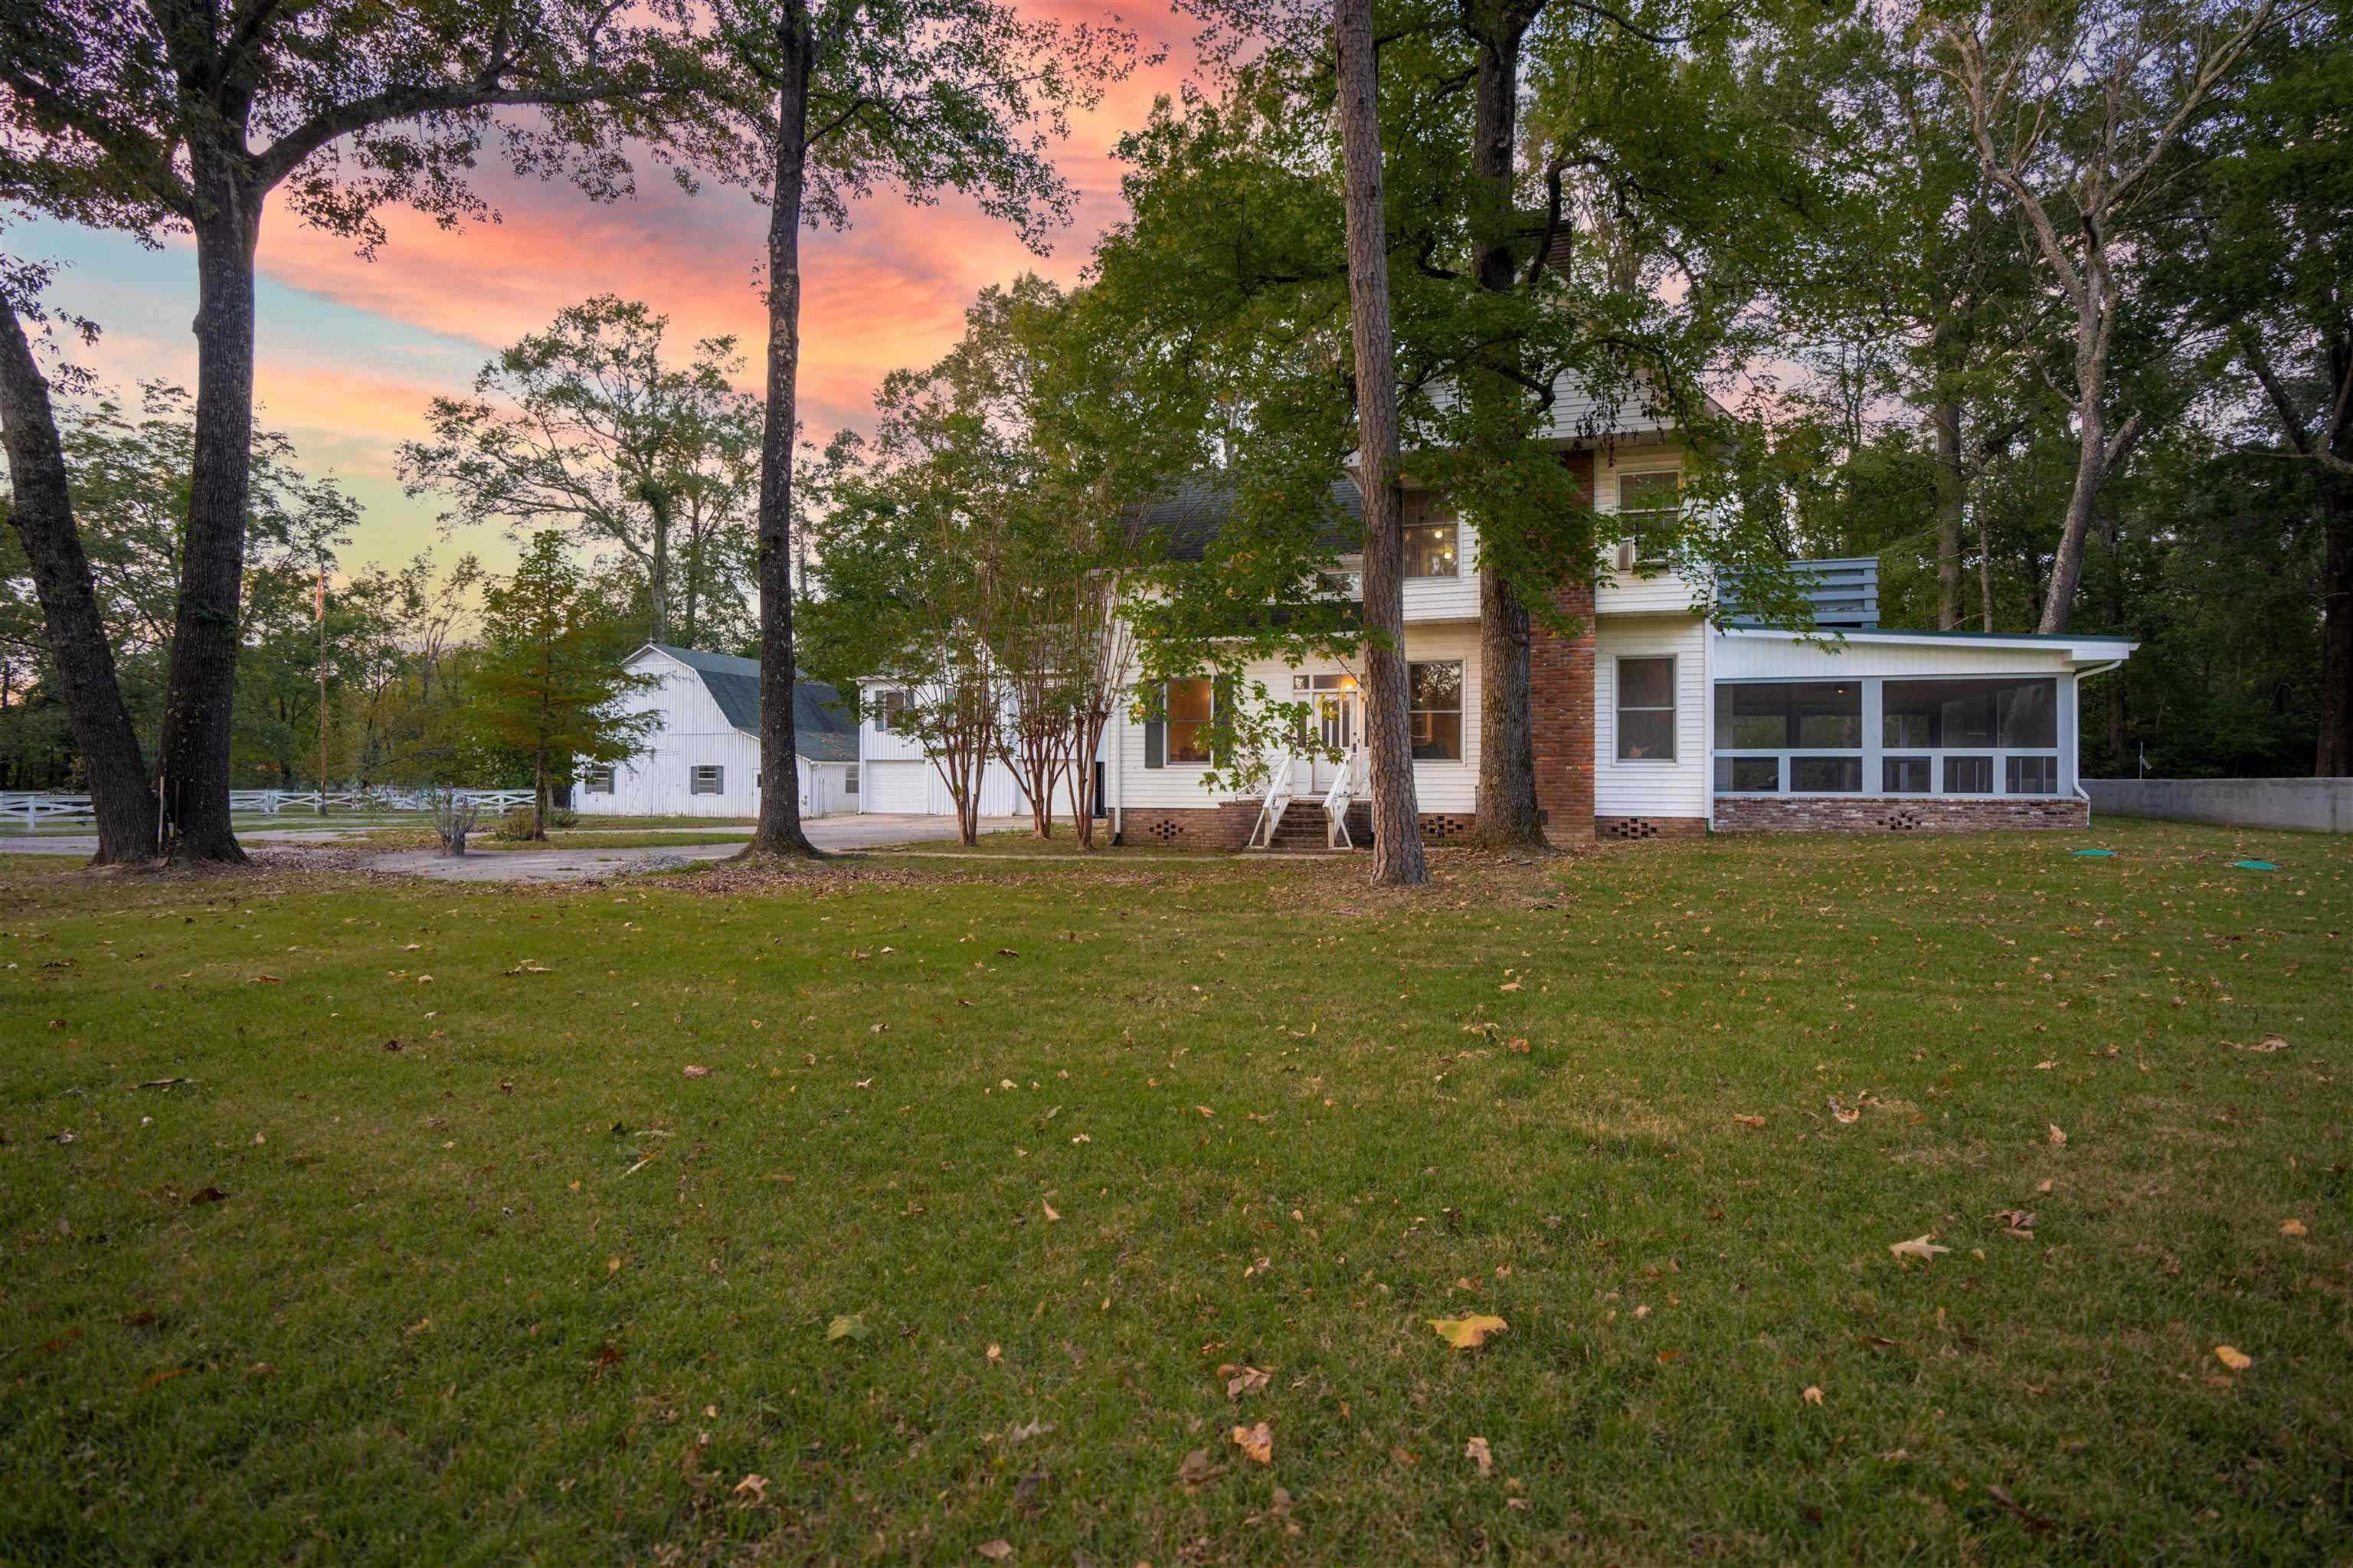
(349,350)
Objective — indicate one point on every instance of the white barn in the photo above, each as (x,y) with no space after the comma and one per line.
(703,758)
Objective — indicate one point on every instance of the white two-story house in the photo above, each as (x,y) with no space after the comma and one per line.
(1651,721)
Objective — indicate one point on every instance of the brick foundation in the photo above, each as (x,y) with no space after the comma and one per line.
(1560,697)
(1650,827)
(1866,815)
(1225,826)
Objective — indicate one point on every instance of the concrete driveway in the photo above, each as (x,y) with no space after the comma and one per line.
(868,831)
(574,863)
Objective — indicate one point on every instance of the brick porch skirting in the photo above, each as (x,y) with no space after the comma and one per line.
(1650,827)
(1225,826)
(1866,815)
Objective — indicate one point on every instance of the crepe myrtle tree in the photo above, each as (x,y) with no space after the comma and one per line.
(157,117)
(845,95)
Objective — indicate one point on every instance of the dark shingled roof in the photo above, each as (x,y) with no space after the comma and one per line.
(1193,513)
(824,729)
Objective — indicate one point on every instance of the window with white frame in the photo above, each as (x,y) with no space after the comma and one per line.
(706,779)
(1432,538)
(598,780)
(894,711)
(1434,709)
(1951,735)
(849,779)
(1646,709)
(1649,506)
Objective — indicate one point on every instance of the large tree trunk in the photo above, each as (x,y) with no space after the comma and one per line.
(2334,759)
(198,705)
(2067,565)
(1508,812)
(779,829)
(42,511)
(1397,858)
(1952,511)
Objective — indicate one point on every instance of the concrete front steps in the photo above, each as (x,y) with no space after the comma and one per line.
(1303,830)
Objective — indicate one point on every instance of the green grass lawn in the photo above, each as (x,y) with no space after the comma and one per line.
(1000,1174)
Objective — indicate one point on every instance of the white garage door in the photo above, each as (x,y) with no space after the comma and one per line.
(897,786)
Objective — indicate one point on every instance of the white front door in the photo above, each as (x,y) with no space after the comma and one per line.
(1332,721)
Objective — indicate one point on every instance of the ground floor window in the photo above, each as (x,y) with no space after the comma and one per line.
(1646,710)
(849,780)
(1434,710)
(706,779)
(1191,706)
(597,781)
(1968,735)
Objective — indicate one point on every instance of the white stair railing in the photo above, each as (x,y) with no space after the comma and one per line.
(1278,802)
(1336,800)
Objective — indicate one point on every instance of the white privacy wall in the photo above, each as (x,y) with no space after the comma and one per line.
(1651,788)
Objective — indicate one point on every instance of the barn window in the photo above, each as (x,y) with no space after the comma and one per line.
(707,779)
(849,779)
(599,781)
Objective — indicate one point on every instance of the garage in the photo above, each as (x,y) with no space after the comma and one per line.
(897,786)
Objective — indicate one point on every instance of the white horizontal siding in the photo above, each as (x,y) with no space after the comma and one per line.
(1627,593)
(1438,786)
(1651,788)
(692,732)
(1740,657)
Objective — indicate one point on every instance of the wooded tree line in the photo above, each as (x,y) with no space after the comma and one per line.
(2042,305)
(414,657)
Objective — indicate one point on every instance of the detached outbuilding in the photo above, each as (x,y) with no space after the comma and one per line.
(703,759)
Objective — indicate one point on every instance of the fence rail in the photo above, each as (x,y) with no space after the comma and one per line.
(34,808)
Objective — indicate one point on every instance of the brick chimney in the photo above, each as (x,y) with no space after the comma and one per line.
(1560,670)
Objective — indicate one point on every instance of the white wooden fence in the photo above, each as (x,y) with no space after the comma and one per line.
(33,808)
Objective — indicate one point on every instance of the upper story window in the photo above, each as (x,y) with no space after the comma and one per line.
(1190,706)
(1650,505)
(1432,538)
(893,712)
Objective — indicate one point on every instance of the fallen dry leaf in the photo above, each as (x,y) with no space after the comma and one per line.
(756,1487)
(1844,1113)
(1477,1453)
(1242,1380)
(995,1551)
(1257,1442)
(1750,1120)
(1048,1208)
(2291,1227)
(696,1072)
(2237,1360)
(1197,1470)
(1920,1247)
(1812,1395)
(1469,1333)
(2058,1137)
